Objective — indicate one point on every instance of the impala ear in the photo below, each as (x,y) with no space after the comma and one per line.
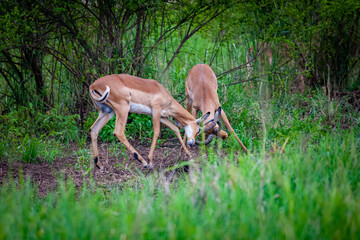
(217,115)
(203,118)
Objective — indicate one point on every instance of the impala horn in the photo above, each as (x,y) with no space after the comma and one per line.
(207,141)
(211,126)
(213,121)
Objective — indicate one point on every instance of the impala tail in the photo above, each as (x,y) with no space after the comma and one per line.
(98,97)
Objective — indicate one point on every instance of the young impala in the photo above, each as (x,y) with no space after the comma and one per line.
(201,94)
(120,94)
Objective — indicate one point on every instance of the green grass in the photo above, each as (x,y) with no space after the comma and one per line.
(31,150)
(310,192)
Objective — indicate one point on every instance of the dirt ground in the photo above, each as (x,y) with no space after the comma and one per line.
(46,176)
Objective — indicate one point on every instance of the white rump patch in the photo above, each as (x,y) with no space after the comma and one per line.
(104,96)
(139,108)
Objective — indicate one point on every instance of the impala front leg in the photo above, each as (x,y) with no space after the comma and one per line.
(121,118)
(176,130)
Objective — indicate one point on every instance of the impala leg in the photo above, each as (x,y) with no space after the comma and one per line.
(100,122)
(176,130)
(156,115)
(194,112)
(188,106)
(121,117)
(228,126)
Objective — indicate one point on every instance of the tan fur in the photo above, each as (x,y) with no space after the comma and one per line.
(127,91)
(201,94)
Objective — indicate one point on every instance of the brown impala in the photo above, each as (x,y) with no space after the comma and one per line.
(201,94)
(121,94)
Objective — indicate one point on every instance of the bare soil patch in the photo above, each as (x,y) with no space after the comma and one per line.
(117,170)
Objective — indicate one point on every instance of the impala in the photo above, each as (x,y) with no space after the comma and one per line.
(201,94)
(120,94)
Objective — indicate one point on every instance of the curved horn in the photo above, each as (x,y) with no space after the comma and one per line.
(207,141)
(210,126)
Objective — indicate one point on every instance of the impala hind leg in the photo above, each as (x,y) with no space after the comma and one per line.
(121,118)
(105,114)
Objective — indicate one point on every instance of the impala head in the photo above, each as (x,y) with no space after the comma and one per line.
(192,130)
(214,128)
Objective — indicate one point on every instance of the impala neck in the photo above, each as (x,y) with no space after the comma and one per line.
(181,115)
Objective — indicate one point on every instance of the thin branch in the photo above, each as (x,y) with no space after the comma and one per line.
(169,31)
(197,28)
(258,53)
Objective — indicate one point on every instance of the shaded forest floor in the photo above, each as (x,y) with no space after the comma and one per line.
(117,169)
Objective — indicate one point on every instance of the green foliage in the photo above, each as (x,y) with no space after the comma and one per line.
(303,193)
(82,160)
(30,150)
(28,121)
(32,135)
(2,150)
(50,150)
(118,150)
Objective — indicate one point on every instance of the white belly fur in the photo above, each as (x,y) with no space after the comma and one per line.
(139,108)
(142,109)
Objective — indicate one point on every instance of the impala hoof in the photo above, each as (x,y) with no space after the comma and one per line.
(96,160)
(148,166)
(100,167)
(98,164)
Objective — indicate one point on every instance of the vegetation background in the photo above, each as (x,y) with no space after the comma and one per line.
(305,95)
